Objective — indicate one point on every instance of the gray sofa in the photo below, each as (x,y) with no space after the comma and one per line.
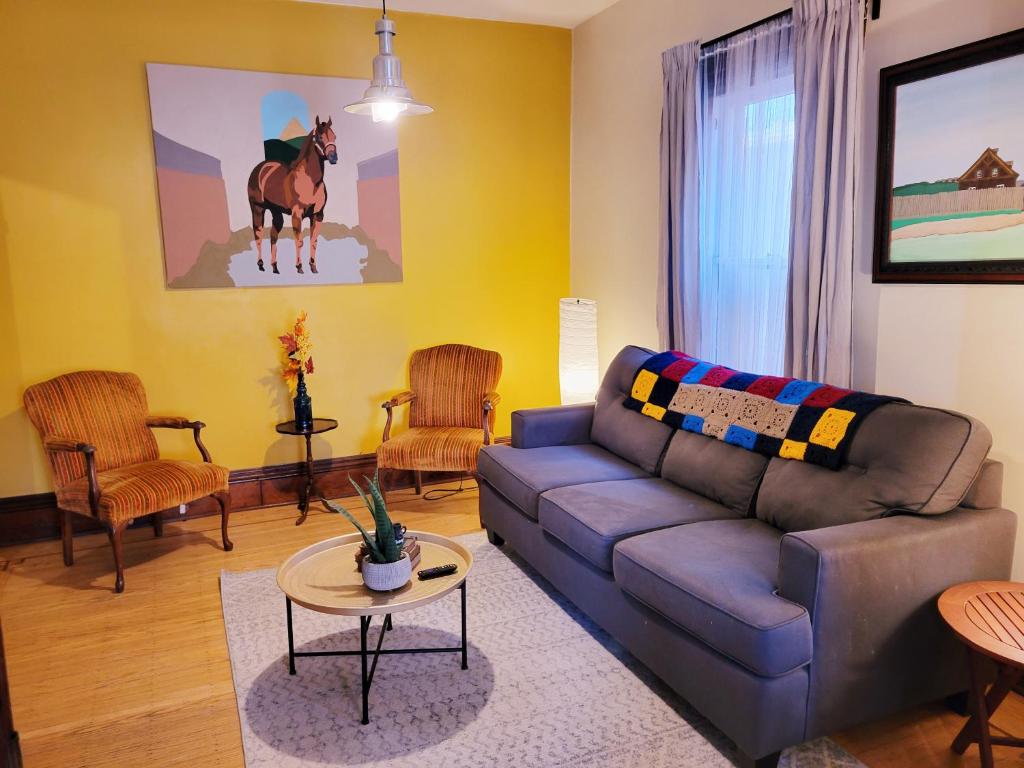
(783,600)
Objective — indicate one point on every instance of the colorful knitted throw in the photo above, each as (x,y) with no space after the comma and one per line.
(772,415)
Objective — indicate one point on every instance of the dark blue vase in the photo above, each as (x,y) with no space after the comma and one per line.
(303,406)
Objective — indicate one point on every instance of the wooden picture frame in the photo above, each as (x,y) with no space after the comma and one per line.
(952,229)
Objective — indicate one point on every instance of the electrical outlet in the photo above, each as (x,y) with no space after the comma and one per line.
(181,509)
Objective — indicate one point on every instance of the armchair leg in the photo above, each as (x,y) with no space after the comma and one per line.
(417,479)
(224,499)
(67,531)
(114,534)
(157,518)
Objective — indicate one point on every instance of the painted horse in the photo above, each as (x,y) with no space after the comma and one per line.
(295,189)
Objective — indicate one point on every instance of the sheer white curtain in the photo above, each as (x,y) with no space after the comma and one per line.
(747,116)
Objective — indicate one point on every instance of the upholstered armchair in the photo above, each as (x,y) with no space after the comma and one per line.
(452,404)
(98,436)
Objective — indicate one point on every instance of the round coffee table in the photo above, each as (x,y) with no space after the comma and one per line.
(988,616)
(323,577)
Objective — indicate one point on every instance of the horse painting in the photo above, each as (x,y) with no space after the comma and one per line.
(296,189)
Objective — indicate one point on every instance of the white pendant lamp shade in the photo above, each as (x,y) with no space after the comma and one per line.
(577,350)
(387,97)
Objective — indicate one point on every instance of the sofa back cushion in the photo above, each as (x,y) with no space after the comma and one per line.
(636,438)
(903,458)
(725,473)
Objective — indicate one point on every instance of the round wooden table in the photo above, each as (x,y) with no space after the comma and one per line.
(317,426)
(324,578)
(988,616)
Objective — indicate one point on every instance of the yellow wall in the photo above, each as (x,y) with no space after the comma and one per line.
(485,218)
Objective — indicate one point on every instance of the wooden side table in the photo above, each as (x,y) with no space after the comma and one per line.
(318,426)
(988,616)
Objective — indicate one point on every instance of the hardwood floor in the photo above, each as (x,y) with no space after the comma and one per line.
(100,680)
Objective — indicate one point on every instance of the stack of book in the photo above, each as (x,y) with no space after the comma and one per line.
(411,548)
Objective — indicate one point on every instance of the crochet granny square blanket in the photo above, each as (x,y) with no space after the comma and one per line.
(773,415)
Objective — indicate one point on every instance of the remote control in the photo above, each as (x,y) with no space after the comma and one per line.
(433,573)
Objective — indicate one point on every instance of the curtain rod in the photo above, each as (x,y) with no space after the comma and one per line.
(727,35)
(876,11)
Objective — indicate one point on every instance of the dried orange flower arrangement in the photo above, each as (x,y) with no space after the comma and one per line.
(298,353)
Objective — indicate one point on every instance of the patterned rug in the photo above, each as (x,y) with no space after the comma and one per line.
(545,687)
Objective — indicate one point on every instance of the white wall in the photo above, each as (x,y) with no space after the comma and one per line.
(954,346)
(616,120)
(959,347)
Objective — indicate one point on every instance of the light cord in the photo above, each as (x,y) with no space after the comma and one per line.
(443,493)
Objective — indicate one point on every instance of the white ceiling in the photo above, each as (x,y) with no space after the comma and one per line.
(554,13)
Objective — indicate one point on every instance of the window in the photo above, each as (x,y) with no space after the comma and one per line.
(746,179)
(980,173)
(995,171)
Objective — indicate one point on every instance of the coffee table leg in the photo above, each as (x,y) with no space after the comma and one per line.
(387,623)
(291,637)
(364,627)
(465,661)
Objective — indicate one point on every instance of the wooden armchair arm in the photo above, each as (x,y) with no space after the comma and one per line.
(89,451)
(490,402)
(63,444)
(400,399)
(180,422)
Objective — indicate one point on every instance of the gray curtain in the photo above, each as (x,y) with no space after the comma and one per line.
(679,261)
(828,40)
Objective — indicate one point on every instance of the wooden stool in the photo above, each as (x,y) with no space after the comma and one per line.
(988,616)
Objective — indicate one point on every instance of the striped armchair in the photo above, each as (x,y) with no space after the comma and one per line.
(451,411)
(98,436)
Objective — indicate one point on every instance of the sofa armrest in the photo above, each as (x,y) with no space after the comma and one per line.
(871,590)
(558,425)
(903,557)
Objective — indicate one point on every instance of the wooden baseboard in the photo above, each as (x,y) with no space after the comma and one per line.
(34,517)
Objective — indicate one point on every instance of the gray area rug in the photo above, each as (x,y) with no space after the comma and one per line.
(545,687)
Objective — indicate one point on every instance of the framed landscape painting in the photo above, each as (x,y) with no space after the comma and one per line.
(265,180)
(949,204)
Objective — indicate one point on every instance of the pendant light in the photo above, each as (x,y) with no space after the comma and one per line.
(387,97)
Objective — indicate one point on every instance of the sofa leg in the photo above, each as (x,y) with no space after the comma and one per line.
(494,538)
(768,761)
(67,532)
(157,518)
(224,499)
(418,480)
(114,534)
(958,703)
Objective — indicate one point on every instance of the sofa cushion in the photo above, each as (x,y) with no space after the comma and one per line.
(904,458)
(726,473)
(628,434)
(716,580)
(521,475)
(590,519)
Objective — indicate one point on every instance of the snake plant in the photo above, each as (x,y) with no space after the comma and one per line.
(381,543)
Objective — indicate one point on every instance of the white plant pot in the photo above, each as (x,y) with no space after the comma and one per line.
(383,577)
